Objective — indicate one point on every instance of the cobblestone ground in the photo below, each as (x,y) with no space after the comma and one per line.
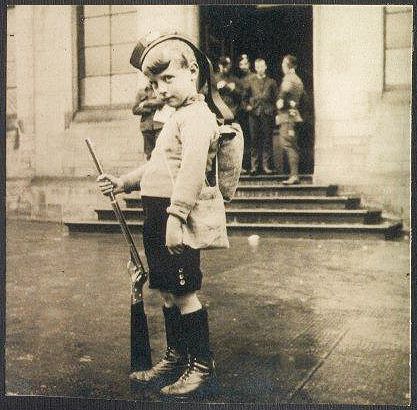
(292,320)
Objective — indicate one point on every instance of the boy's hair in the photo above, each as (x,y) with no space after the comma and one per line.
(259,60)
(159,58)
(291,60)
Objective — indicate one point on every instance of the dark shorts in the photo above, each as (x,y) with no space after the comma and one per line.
(177,274)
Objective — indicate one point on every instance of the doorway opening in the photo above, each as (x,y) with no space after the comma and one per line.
(269,32)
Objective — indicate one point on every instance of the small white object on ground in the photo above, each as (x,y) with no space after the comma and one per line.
(253,240)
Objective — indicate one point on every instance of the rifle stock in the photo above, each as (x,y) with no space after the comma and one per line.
(140,350)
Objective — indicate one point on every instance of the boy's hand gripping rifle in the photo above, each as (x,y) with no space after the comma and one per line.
(140,350)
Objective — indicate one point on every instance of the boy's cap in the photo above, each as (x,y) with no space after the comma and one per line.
(143,46)
(152,39)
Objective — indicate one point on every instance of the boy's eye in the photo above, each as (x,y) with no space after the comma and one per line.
(167,78)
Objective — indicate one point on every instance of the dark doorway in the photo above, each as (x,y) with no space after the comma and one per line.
(269,32)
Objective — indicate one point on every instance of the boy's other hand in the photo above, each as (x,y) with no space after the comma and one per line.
(174,235)
(109,183)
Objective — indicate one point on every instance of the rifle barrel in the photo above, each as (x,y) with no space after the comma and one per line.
(119,214)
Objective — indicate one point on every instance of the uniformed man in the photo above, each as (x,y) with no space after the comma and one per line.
(228,84)
(244,66)
(146,105)
(242,115)
(260,103)
(288,117)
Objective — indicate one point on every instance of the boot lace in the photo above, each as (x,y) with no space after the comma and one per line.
(170,357)
(192,367)
(188,371)
(170,352)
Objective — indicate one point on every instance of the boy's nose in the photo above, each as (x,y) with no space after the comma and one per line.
(162,89)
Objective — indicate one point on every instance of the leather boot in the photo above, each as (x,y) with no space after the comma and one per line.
(292,180)
(175,360)
(200,378)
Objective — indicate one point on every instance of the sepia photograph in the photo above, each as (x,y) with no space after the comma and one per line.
(208,203)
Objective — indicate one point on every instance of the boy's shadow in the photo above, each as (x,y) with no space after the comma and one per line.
(266,352)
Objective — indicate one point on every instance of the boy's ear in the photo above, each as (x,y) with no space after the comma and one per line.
(194,70)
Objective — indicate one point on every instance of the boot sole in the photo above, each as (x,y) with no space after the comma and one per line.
(212,390)
(158,382)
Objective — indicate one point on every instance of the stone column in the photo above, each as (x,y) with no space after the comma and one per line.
(348,69)
(53,84)
(183,18)
(24,164)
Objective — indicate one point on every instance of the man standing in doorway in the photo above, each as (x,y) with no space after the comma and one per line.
(242,115)
(289,117)
(260,103)
(227,84)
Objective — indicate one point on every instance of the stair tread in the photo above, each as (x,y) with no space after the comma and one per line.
(281,197)
(274,211)
(296,186)
(380,226)
(315,198)
(273,175)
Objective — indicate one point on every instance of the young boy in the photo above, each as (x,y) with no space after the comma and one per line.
(184,151)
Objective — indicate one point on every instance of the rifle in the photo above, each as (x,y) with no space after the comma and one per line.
(140,350)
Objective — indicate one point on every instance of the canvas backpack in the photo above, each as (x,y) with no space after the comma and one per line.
(229,157)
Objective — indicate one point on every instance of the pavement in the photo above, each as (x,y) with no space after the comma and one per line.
(291,320)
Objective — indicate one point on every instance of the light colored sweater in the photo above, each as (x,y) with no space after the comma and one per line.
(187,145)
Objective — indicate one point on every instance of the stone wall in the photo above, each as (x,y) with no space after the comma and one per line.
(362,132)
(50,175)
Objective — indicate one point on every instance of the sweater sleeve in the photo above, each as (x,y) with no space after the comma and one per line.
(131,181)
(196,133)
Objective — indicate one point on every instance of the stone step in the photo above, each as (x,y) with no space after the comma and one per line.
(385,230)
(265,190)
(295,216)
(271,179)
(280,202)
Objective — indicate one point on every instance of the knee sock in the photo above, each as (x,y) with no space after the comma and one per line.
(173,329)
(196,332)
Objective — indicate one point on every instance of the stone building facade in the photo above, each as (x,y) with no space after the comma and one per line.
(68,78)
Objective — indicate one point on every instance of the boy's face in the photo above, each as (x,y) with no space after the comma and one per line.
(175,84)
(260,67)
